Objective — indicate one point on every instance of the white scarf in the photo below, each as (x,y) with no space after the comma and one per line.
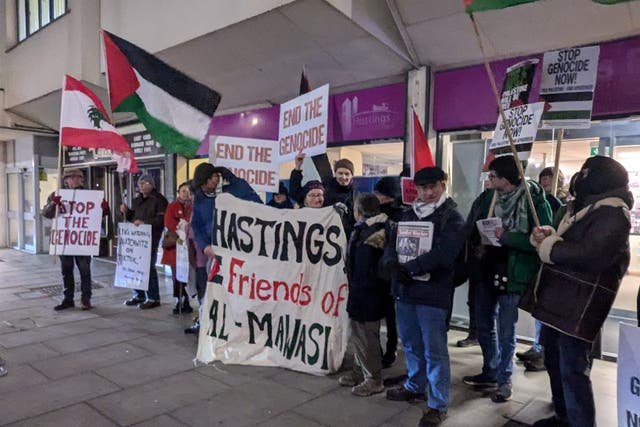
(423,210)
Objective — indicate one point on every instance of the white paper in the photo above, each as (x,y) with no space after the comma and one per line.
(77,229)
(182,261)
(414,239)
(133,259)
(487,229)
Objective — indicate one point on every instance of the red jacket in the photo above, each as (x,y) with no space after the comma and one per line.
(174,213)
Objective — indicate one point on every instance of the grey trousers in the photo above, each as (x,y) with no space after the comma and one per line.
(365,337)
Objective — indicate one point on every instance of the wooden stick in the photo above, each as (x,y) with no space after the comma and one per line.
(556,163)
(507,129)
(60,179)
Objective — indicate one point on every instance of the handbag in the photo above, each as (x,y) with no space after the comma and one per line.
(169,239)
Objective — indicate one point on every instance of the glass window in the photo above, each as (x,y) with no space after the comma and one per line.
(45,12)
(22,21)
(35,14)
(59,8)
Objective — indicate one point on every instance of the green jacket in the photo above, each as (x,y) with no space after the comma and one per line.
(523,261)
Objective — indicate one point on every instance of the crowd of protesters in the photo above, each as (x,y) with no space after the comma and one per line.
(553,251)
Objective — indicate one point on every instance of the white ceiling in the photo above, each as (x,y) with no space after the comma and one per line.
(259,60)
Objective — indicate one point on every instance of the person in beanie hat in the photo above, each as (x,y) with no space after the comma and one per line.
(148,207)
(506,271)
(337,189)
(72,179)
(423,289)
(312,195)
(577,283)
(280,200)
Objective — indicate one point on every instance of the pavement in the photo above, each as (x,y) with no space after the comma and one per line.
(120,366)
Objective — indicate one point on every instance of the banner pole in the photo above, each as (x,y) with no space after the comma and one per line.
(54,226)
(507,129)
(556,163)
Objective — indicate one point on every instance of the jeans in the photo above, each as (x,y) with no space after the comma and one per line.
(568,361)
(154,287)
(84,267)
(423,332)
(496,318)
(536,343)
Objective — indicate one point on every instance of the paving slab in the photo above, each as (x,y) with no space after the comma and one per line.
(161,421)
(80,415)
(19,377)
(17,356)
(42,334)
(144,370)
(91,340)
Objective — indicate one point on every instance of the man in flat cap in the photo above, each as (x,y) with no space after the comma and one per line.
(423,290)
(147,208)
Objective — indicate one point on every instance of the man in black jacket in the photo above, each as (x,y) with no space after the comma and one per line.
(147,208)
(423,289)
(575,268)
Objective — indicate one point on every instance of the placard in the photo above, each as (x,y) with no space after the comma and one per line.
(629,376)
(77,229)
(182,261)
(133,258)
(254,160)
(523,123)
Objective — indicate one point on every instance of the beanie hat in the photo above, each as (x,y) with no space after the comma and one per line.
(311,185)
(202,173)
(71,171)
(605,174)
(388,186)
(429,175)
(149,179)
(344,163)
(282,189)
(506,168)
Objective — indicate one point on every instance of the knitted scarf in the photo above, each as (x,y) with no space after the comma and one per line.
(512,207)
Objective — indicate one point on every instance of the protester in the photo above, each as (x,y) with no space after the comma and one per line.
(72,179)
(574,269)
(148,207)
(366,302)
(507,270)
(197,262)
(281,199)
(387,190)
(312,195)
(423,306)
(176,218)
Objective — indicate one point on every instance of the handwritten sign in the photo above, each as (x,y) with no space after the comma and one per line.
(254,160)
(182,261)
(77,230)
(303,125)
(133,258)
(629,376)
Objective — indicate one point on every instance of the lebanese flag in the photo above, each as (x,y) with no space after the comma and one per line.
(84,123)
(421,153)
(174,108)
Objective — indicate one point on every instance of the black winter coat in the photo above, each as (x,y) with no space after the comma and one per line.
(448,238)
(150,210)
(367,291)
(583,265)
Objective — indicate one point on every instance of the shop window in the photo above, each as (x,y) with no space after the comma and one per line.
(35,14)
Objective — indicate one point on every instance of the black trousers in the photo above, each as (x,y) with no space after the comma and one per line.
(84,267)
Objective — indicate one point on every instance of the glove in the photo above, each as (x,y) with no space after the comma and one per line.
(403,275)
(104,205)
(341,208)
(57,200)
(225,173)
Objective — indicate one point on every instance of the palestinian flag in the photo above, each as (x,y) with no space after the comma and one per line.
(84,123)
(175,109)
(611,1)
(472,6)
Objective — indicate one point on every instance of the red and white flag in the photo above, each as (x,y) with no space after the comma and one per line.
(420,152)
(84,123)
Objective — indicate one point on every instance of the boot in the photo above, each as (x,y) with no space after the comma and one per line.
(186,307)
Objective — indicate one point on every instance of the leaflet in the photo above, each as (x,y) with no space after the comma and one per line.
(414,239)
(487,229)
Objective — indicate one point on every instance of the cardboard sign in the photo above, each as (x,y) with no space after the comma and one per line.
(77,230)
(567,85)
(279,297)
(518,80)
(254,160)
(629,376)
(409,192)
(182,261)
(133,258)
(303,125)
(523,123)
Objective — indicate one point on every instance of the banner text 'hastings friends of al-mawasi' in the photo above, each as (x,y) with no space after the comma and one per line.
(281,294)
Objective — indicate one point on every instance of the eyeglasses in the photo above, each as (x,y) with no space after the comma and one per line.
(315,195)
(493,176)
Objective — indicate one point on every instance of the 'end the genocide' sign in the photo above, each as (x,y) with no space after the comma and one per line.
(303,125)
(253,160)
(77,229)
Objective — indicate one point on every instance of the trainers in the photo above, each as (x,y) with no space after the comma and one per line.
(64,305)
(432,417)
(502,394)
(350,379)
(152,303)
(133,301)
(480,380)
(530,354)
(193,329)
(535,365)
(86,304)
(368,388)
(467,342)
(551,422)
(401,394)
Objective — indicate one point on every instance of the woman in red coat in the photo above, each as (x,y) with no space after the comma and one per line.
(177,214)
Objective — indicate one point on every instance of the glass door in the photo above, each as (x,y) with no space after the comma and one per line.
(22,210)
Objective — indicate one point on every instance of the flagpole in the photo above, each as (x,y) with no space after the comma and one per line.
(556,163)
(507,129)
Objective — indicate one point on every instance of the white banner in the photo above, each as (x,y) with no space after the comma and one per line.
(303,125)
(629,376)
(254,160)
(182,261)
(77,231)
(133,258)
(280,296)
